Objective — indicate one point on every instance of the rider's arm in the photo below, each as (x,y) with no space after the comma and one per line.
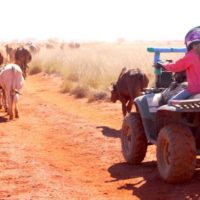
(180,65)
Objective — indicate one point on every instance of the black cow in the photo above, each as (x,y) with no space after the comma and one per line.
(22,58)
(129,85)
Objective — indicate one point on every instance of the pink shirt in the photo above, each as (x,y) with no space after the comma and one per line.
(191,63)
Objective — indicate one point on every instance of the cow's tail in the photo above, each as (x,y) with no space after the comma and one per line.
(124,69)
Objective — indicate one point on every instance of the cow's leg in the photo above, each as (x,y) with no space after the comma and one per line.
(15,102)
(16,111)
(4,101)
(1,98)
(129,106)
(11,108)
(124,109)
(9,102)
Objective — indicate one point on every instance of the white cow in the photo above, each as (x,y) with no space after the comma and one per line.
(11,81)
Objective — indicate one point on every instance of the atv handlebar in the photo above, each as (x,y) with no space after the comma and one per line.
(157,51)
(158,66)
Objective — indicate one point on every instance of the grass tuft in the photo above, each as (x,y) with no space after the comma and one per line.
(35,70)
(80,91)
(96,95)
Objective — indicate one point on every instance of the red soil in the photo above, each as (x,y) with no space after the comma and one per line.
(63,148)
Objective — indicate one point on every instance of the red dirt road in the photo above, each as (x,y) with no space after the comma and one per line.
(62,148)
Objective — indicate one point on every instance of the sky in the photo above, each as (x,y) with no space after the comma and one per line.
(98,20)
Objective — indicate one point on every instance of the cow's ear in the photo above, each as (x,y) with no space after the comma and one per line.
(111,87)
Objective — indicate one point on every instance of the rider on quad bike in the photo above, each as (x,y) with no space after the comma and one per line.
(189,63)
(174,125)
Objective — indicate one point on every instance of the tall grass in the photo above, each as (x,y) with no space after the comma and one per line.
(88,71)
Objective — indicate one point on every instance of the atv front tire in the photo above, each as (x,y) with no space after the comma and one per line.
(133,139)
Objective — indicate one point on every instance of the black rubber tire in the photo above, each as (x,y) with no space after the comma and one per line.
(176,153)
(133,139)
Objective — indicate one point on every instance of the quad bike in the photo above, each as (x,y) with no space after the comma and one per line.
(173,126)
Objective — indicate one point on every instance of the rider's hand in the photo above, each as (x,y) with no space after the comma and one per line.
(159,65)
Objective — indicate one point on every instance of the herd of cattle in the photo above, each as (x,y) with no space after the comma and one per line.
(14,59)
(13,72)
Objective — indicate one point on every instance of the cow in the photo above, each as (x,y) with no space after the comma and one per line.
(74,45)
(22,58)
(33,48)
(129,85)
(1,59)
(10,51)
(11,81)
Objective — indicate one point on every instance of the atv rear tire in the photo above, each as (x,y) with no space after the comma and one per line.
(176,153)
(133,139)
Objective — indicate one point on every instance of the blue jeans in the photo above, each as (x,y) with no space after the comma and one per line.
(184,94)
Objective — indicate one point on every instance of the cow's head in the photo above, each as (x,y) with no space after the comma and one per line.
(114,94)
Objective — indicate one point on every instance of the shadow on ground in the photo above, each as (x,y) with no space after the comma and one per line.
(3,119)
(145,182)
(109,132)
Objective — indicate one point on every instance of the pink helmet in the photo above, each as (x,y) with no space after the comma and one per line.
(192,36)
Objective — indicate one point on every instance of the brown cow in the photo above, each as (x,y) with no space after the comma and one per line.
(10,51)
(33,48)
(74,45)
(22,58)
(129,85)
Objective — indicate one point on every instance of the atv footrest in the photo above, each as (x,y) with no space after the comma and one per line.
(185,104)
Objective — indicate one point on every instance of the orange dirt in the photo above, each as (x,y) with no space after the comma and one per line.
(63,148)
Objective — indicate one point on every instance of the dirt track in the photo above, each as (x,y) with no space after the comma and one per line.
(63,148)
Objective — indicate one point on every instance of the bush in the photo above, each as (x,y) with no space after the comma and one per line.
(66,86)
(35,70)
(80,91)
(96,95)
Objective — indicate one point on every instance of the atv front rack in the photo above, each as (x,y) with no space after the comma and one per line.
(188,104)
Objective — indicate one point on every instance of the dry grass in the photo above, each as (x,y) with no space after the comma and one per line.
(88,71)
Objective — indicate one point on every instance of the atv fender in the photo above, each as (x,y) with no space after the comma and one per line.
(147,105)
